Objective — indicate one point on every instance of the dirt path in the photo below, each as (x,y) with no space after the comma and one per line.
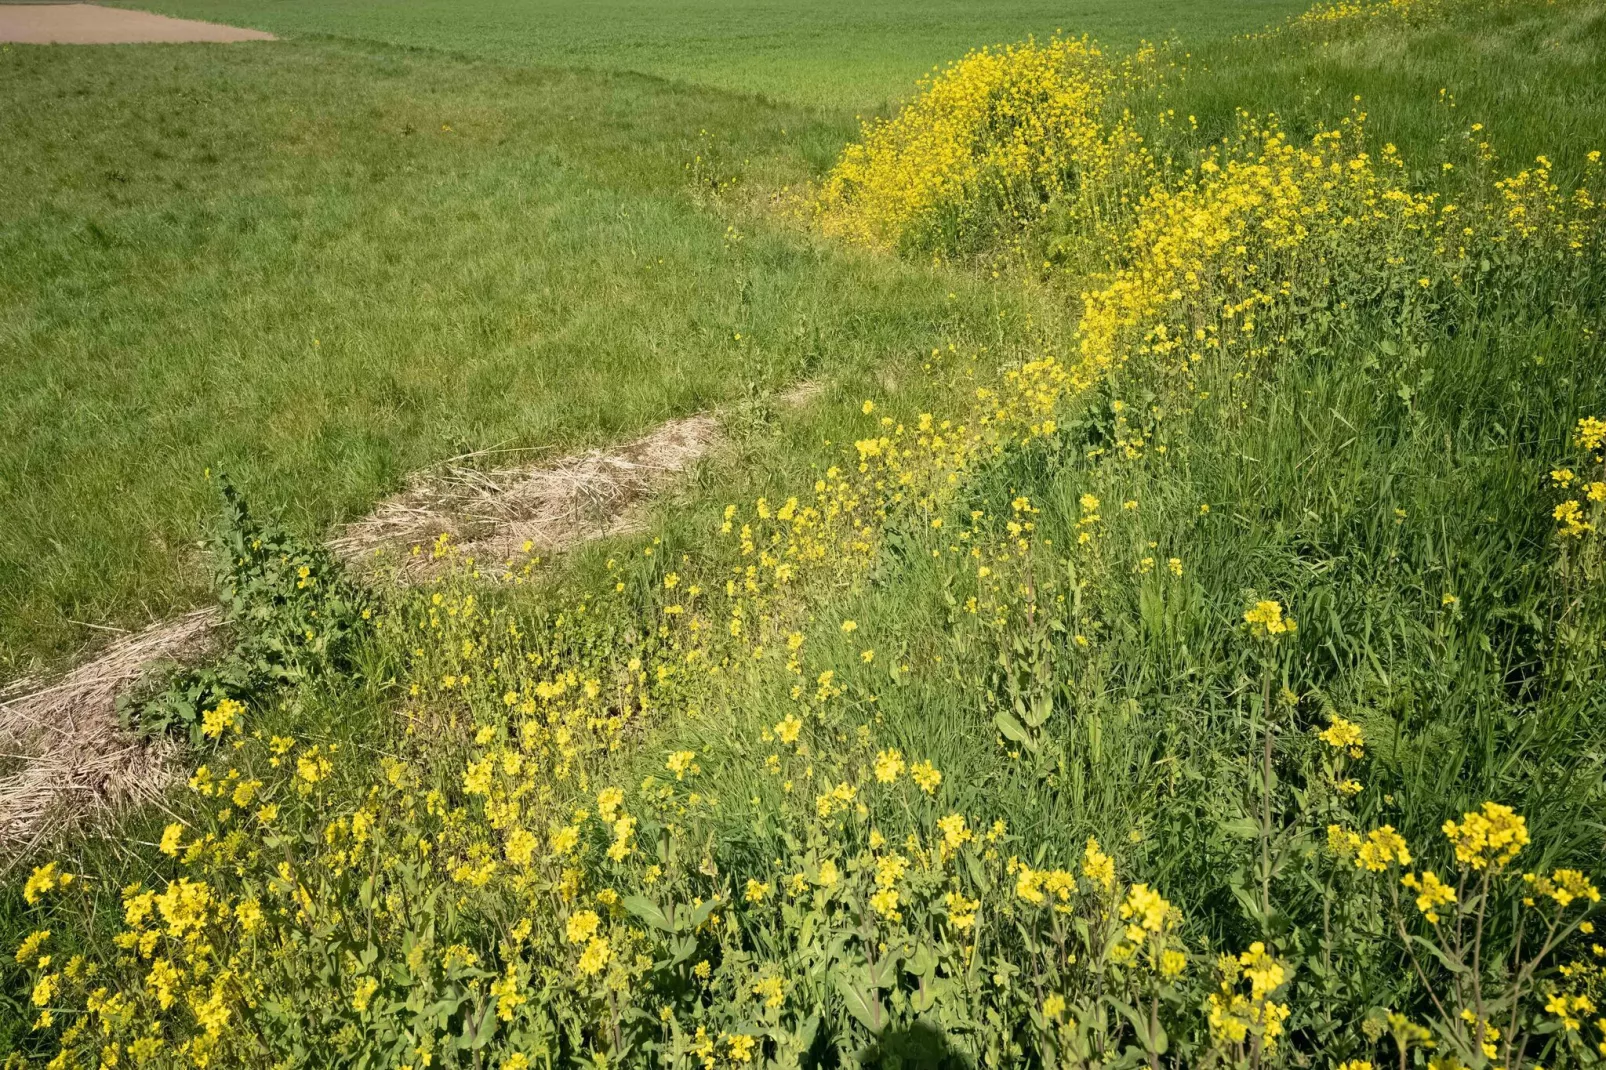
(90,24)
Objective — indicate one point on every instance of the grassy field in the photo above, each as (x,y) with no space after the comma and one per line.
(833,54)
(326,264)
(1176,639)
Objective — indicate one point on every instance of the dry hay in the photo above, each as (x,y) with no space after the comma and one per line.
(496,514)
(65,753)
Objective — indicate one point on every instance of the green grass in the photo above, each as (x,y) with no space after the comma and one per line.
(326,263)
(324,266)
(834,53)
(1534,78)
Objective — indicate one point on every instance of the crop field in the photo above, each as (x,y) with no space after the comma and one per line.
(834,54)
(751,535)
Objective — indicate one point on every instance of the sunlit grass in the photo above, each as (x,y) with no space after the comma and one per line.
(1040,688)
(834,53)
(324,267)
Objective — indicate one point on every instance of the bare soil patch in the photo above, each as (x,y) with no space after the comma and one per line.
(91,24)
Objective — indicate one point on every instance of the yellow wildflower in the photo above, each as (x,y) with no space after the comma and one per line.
(1147,909)
(888,766)
(741,1045)
(43,879)
(1266,621)
(1097,866)
(1382,847)
(595,957)
(172,838)
(885,903)
(1345,735)
(961,911)
(1489,837)
(1431,893)
(679,762)
(582,924)
(1590,433)
(364,992)
(772,990)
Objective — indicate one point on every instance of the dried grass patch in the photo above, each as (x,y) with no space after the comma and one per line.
(65,756)
(492,514)
(68,755)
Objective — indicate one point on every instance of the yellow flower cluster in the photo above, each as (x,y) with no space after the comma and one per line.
(1490,837)
(997,135)
(1266,620)
(1344,735)
(1242,1019)
(1431,893)
(1365,11)
(1564,886)
(1577,517)
(1382,848)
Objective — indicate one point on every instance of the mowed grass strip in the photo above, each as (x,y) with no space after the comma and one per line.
(831,53)
(323,267)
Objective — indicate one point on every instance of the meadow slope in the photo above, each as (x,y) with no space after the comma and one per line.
(1184,649)
(832,54)
(409,234)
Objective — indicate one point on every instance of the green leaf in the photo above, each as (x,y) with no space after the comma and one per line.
(1434,950)
(1140,1022)
(487,1029)
(1245,828)
(921,962)
(884,974)
(649,912)
(683,950)
(1012,730)
(1042,708)
(977,873)
(935,990)
(690,919)
(860,1001)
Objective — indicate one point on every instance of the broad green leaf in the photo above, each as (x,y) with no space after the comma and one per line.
(690,919)
(884,974)
(648,911)
(859,999)
(1012,729)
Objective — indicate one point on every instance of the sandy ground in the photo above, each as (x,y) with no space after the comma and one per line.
(89,24)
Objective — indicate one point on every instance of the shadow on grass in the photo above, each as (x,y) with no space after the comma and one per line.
(918,1045)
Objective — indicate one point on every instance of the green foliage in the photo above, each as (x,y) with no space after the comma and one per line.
(289,611)
(328,265)
(1240,711)
(830,54)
